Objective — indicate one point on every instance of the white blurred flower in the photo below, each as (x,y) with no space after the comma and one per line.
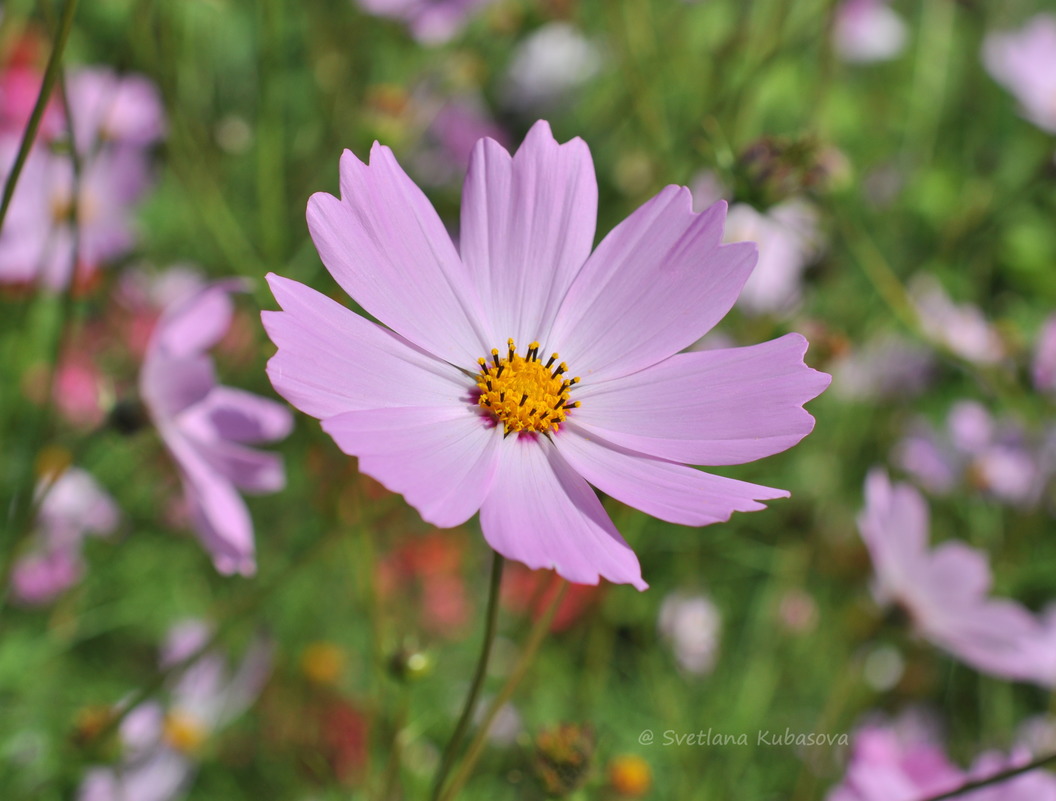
(548,65)
(692,625)
(868,30)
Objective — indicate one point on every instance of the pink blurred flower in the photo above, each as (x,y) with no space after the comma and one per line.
(896,761)
(789,241)
(74,506)
(19,87)
(207,694)
(868,30)
(961,328)
(160,741)
(1024,62)
(900,761)
(945,590)
(37,242)
(991,456)
(114,109)
(454,127)
(430,21)
(1044,367)
(413,401)
(207,426)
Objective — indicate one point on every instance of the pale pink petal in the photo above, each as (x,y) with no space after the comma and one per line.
(241,416)
(542,513)
(385,245)
(332,360)
(669,491)
(654,286)
(169,386)
(197,322)
(441,459)
(711,407)
(248,469)
(527,228)
(220,516)
(958,571)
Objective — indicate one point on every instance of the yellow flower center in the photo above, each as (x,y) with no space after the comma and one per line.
(183,732)
(522,392)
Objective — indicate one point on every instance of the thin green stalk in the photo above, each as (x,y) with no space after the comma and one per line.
(51,74)
(491,618)
(476,746)
(995,779)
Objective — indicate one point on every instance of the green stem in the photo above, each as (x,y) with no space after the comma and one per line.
(51,74)
(476,747)
(491,618)
(995,779)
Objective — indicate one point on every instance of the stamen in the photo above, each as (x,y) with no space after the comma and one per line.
(522,393)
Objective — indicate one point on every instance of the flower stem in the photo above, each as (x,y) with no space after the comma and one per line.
(995,779)
(535,639)
(51,74)
(491,617)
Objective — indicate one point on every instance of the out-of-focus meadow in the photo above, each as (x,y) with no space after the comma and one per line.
(895,164)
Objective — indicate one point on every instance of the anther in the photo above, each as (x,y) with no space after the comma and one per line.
(560,369)
(553,358)
(524,397)
(495,356)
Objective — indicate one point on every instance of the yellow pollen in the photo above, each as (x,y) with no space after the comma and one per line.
(183,732)
(525,393)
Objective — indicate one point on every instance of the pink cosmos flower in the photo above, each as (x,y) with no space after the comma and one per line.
(207,427)
(37,241)
(74,506)
(989,455)
(901,761)
(896,761)
(115,109)
(868,30)
(945,589)
(961,328)
(430,21)
(1024,62)
(463,403)
(160,741)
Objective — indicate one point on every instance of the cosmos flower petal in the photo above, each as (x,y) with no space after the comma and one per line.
(711,407)
(246,468)
(241,416)
(538,207)
(441,459)
(656,284)
(220,515)
(541,513)
(198,322)
(385,245)
(169,386)
(958,570)
(672,492)
(893,508)
(332,360)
